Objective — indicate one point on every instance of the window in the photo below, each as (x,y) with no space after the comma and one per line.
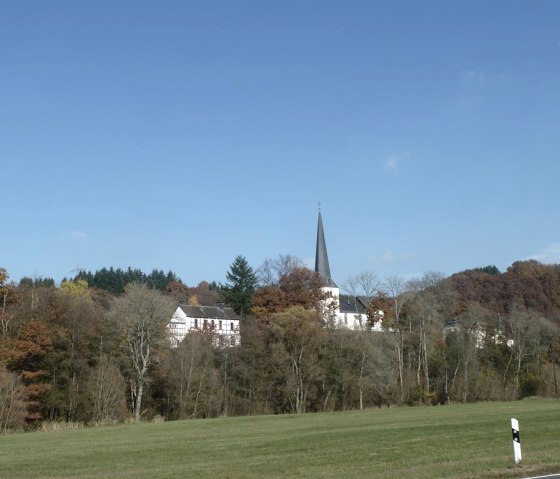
(220,325)
(205,324)
(232,325)
(196,323)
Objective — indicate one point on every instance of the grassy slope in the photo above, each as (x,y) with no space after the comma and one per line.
(458,441)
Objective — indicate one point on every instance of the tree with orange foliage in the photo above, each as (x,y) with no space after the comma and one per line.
(28,360)
(299,287)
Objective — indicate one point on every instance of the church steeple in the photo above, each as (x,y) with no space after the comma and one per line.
(321,258)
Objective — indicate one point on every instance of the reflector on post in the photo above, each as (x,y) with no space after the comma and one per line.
(516,440)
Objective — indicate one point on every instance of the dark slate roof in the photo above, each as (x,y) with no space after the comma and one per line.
(365,300)
(321,258)
(352,305)
(209,312)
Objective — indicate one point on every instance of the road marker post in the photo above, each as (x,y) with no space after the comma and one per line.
(516,440)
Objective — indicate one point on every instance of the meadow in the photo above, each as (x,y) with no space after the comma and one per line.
(454,441)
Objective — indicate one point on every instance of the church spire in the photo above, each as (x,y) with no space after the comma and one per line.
(321,258)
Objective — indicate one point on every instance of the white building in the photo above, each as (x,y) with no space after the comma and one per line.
(346,311)
(222,321)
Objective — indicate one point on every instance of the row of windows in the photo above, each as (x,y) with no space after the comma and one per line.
(206,324)
(212,324)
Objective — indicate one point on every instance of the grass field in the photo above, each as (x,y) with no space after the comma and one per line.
(457,441)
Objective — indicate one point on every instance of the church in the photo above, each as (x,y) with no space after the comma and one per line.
(345,311)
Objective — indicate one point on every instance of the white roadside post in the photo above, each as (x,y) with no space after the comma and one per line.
(516,440)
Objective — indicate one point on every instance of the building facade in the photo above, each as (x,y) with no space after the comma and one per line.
(221,321)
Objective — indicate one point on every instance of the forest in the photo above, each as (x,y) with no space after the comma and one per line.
(95,349)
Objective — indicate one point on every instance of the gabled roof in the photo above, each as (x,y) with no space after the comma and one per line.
(209,312)
(321,258)
(352,304)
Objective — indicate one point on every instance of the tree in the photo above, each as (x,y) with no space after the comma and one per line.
(76,322)
(432,303)
(9,297)
(299,287)
(298,338)
(193,376)
(75,288)
(142,315)
(270,272)
(461,352)
(394,287)
(115,280)
(363,284)
(240,286)
(28,359)
(204,294)
(107,392)
(36,282)
(13,407)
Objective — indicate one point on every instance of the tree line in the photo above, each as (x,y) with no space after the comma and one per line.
(82,353)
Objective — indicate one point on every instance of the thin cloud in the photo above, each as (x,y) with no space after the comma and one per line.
(474,84)
(474,77)
(549,255)
(389,257)
(78,236)
(392,162)
(479,78)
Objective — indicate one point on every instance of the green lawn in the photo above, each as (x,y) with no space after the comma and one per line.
(458,441)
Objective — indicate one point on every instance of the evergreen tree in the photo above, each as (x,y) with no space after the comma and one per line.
(36,282)
(240,286)
(115,280)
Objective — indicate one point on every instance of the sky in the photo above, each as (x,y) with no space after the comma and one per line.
(177,135)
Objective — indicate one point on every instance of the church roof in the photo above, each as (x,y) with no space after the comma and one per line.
(352,304)
(321,258)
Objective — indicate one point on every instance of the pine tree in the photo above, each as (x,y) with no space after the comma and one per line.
(240,286)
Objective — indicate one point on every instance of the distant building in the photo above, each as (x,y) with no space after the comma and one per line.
(222,321)
(481,336)
(344,311)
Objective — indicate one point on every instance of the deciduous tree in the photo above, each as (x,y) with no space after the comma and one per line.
(13,405)
(142,315)
(106,388)
(272,269)
(298,338)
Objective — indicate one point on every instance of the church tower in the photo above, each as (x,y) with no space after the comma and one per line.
(321,258)
(322,266)
(350,312)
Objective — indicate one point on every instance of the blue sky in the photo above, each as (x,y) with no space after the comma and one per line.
(179,134)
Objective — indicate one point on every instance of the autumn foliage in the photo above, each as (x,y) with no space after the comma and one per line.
(79,353)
